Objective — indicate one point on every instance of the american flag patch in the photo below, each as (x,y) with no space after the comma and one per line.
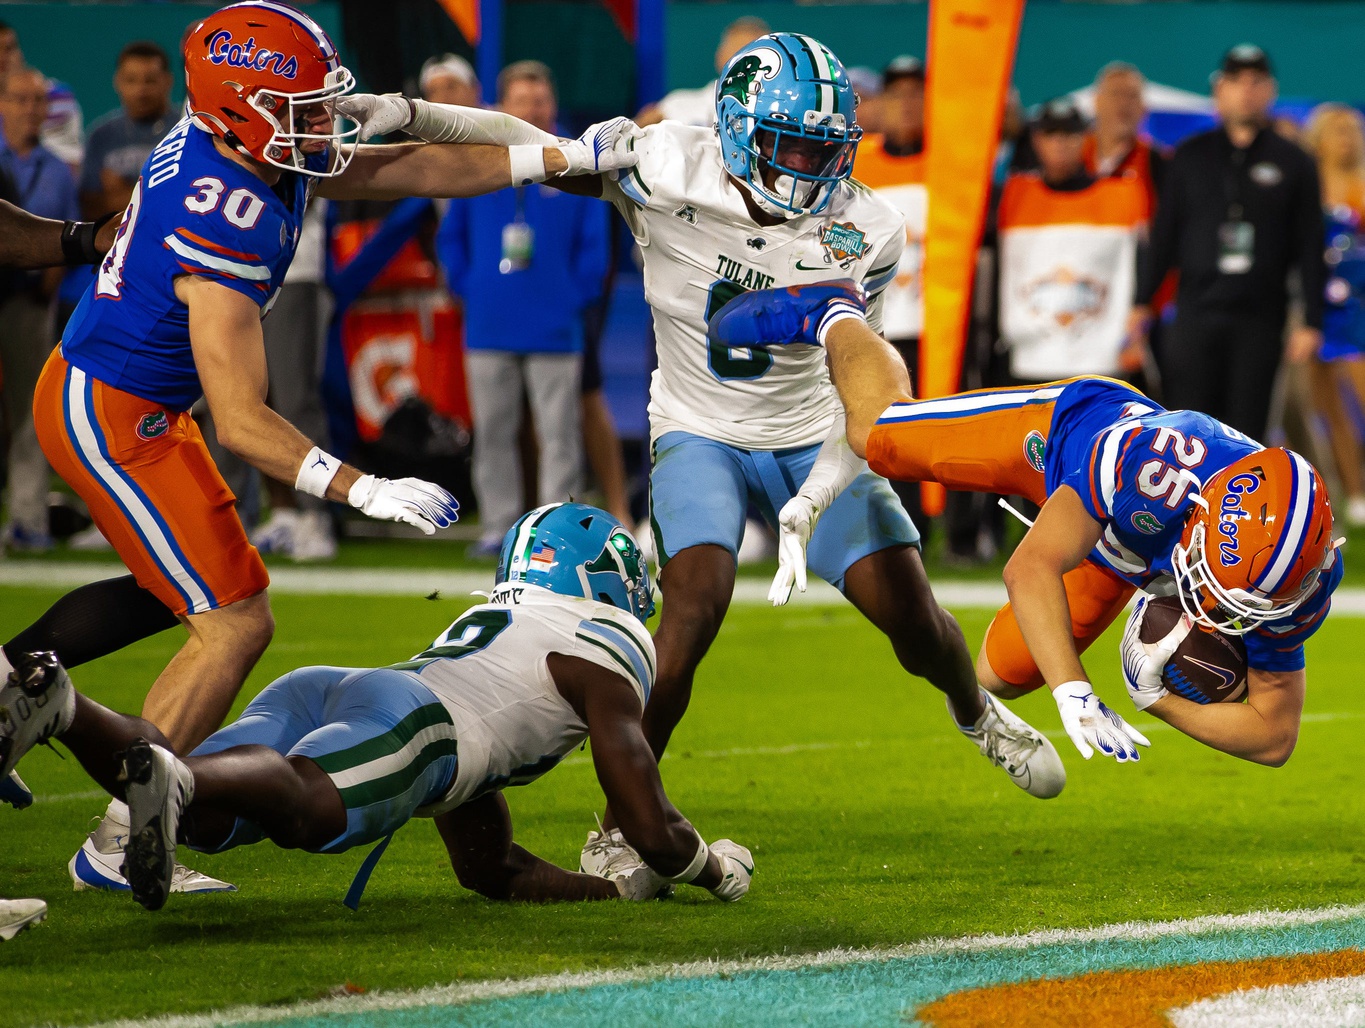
(542,557)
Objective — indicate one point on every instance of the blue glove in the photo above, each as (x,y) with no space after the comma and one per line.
(780,317)
(14,792)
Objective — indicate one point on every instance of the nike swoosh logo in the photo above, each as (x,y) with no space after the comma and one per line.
(1221,672)
(806,267)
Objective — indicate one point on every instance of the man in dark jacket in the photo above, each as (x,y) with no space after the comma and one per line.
(1239,208)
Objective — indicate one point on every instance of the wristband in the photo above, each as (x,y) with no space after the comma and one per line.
(78,243)
(1081,682)
(839,310)
(690,872)
(528,163)
(316,473)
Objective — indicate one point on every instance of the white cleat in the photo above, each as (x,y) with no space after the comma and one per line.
(157,789)
(1020,750)
(36,702)
(16,915)
(96,868)
(606,854)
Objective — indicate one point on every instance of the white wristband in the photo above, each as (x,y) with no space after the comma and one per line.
(690,872)
(837,312)
(316,473)
(528,163)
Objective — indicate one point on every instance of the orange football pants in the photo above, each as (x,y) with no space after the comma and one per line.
(993,441)
(152,488)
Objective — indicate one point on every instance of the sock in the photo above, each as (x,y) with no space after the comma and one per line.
(94,620)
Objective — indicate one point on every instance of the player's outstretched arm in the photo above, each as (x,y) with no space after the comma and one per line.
(1059,540)
(478,837)
(28,241)
(229,353)
(629,774)
(1263,730)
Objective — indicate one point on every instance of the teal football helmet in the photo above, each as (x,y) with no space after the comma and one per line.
(576,550)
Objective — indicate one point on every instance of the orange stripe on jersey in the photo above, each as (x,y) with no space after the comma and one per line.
(1027,202)
(209,244)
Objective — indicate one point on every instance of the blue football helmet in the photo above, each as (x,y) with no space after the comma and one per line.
(576,550)
(785,102)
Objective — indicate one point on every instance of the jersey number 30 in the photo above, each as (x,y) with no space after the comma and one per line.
(728,362)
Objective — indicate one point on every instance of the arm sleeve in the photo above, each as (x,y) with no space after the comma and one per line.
(1308,245)
(239,258)
(835,467)
(1165,228)
(1279,646)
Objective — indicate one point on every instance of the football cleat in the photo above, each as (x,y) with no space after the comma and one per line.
(157,789)
(16,915)
(1016,747)
(36,702)
(14,792)
(606,854)
(95,869)
(780,317)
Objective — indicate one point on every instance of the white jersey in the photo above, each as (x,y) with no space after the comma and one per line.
(702,248)
(489,671)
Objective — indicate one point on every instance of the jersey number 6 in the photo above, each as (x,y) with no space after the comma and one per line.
(722,360)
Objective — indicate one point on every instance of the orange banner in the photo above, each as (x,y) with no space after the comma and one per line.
(465,15)
(971,54)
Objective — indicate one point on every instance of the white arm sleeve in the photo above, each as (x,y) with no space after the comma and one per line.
(835,467)
(446,123)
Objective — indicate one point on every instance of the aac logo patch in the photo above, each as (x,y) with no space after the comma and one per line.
(1035,448)
(1147,523)
(844,241)
(153,425)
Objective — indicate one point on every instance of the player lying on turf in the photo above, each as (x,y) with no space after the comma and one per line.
(175,313)
(328,758)
(764,198)
(1133,497)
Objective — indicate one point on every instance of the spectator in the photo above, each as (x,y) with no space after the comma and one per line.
(526,262)
(867,86)
(698,106)
(122,140)
(1239,208)
(449,79)
(1115,146)
(1068,256)
(44,187)
(63,132)
(1335,136)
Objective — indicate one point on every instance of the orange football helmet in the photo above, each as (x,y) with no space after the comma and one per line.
(1259,536)
(257,74)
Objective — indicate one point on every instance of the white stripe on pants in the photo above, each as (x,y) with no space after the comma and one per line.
(497,379)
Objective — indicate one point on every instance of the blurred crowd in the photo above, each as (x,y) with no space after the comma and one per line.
(1226,275)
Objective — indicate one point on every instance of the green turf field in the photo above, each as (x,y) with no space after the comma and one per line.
(871,823)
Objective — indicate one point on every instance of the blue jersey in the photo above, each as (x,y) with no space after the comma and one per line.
(193,212)
(1134,466)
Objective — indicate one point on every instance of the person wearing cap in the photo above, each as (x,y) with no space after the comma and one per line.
(1067,251)
(449,79)
(1238,210)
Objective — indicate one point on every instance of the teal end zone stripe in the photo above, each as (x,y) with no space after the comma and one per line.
(393,785)
(643,651)
(390,742)
(626,644)
(625,666)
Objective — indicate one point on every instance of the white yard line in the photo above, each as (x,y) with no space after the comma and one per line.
(1331,1003)
(312,581)
(452,995)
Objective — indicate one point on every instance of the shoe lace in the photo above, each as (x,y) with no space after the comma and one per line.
(1007,746)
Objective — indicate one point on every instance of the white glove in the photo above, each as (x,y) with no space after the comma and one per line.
(797,521)
(736,870)
(637,882)
(604,147)
(1143,662)
(377,115)
(1090,723)
(410,500)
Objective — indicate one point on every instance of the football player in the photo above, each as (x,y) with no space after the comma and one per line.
(175,312)
(764,199)
(1133,497)
(328,758)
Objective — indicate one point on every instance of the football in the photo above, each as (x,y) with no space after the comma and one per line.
(1208,667)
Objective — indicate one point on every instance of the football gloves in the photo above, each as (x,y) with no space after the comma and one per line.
(377,115)
(1093,726)
(797,521)
(410,500)
(603,149)
(1143,662)
(736,870)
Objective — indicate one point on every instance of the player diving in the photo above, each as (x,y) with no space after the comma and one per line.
(175,313)
(1132,496)
(763,199)
(328,758)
